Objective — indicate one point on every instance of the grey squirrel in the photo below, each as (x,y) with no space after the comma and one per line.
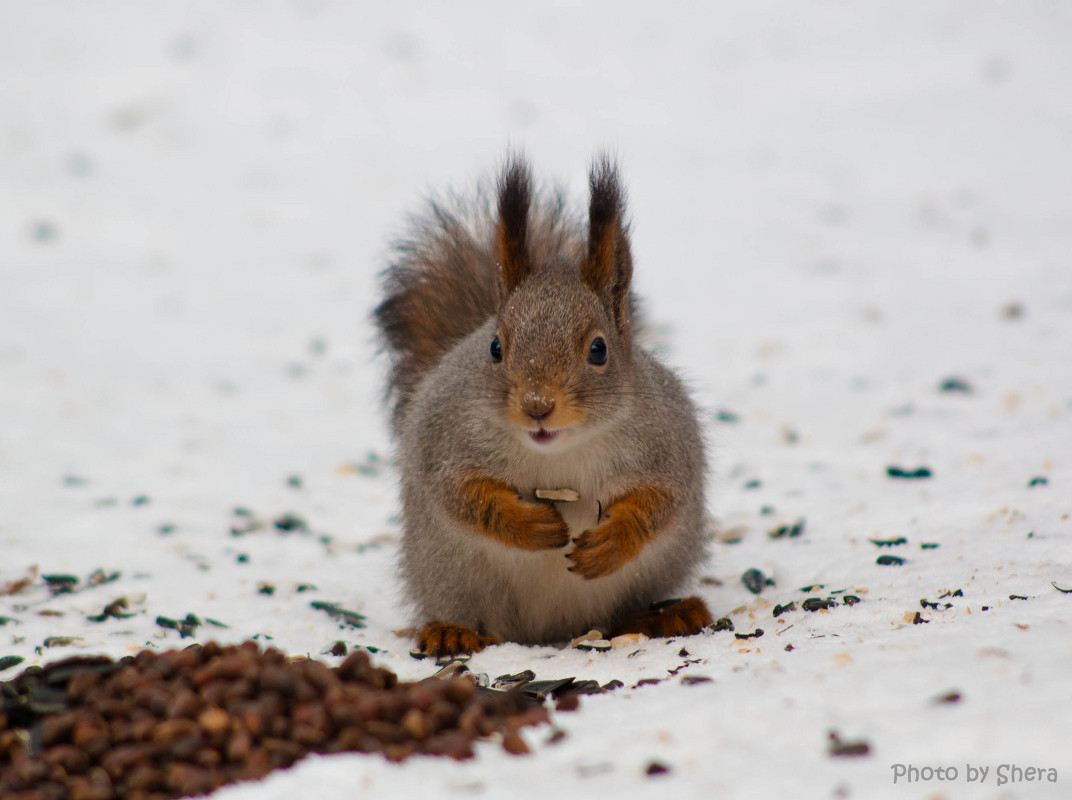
(515,378)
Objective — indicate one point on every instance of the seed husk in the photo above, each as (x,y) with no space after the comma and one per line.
(557,495)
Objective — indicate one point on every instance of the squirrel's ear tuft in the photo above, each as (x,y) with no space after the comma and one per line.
(608,270)
(515,197)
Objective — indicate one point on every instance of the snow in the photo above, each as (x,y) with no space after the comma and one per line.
(836,207)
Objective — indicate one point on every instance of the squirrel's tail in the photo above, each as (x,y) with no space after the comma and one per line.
(443,279)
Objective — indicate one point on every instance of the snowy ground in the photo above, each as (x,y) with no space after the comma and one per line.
(837,207)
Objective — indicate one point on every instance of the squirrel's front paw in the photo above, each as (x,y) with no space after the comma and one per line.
(540,526)
(600,551)
(447,639)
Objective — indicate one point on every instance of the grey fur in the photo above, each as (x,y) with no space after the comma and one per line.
(637,426)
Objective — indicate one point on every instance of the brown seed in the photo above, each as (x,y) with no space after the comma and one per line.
(256,765)
(536,715)
(72,759)
(470,719)
(11,745)
(99,779)
(188,779)
(79,788)
(57,774)
(239,690)
(398,752)
(82,683)
(514,745)
(282,752)
(456,745)
(386,732)
(142,727)
(124,681)
(151,696)
(279,727)
(91,736)
(343,714)
(368,707)
(414,724)
(569,701)
(214,693)
(392,707)
(184,703)
(29,771)
(144,778)
(278,678)
(185,660)
(317,674)
(183,748)
(422,696)
(118,761)
(214,720)
(239,746)
(112,707)
(121,730)
(310,736)
(58,727)
(208,757)
(310,714)
(354,665)
(171,729)
(355,740)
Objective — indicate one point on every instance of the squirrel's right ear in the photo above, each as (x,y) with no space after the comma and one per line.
(515,197)
(608,270)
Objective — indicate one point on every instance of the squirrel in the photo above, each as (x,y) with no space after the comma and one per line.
(552,469)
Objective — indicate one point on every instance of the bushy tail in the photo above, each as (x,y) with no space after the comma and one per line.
(440,286)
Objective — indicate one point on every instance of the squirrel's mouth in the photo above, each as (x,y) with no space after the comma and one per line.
(542,437)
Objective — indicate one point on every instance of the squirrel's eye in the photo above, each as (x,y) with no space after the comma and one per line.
(496,350)
(597,352)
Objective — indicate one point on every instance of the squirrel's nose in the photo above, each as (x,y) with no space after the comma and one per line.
(538,408)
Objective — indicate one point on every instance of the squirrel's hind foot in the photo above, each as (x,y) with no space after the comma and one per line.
(683,618)
(447,639)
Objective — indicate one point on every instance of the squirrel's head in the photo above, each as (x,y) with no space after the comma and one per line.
(561,352)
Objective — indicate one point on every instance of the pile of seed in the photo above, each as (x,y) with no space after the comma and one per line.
(184,722)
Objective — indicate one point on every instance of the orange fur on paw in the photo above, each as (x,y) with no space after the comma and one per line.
(495,509)
(447,639)
(628,523)
(602,550)
(680,619)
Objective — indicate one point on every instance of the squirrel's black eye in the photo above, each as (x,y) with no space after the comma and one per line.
(496,350)
(597,352)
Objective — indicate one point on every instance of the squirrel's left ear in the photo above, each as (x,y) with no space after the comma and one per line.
(515,197)
(608,270)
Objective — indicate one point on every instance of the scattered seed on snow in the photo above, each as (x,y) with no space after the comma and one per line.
(915,474)
(755,581)
(841,748)
(889,542)
(782,609)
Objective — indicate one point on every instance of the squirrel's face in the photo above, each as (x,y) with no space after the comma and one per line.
(558,361)
(560,353)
